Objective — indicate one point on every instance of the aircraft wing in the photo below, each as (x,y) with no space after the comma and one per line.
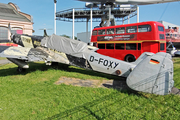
(22,55)
(28,54)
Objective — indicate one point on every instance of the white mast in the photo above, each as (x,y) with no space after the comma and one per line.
(55,1)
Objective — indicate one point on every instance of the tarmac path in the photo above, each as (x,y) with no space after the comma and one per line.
(4,61)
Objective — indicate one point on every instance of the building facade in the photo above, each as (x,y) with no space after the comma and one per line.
(169,25)
(20,22)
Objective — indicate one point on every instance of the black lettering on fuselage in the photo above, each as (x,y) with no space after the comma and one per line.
(100,60)
(104,62)
(116,64)
(91,59)
(110,65)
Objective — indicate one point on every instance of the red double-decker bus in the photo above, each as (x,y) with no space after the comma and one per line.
(128,42)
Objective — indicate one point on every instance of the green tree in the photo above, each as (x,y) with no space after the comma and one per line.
(65,36)
(68,36)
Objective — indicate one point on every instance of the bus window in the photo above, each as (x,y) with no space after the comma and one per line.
(120,30)
(162,46)
(161,36)
(144,28)
(160,28)
(101,32)
(109,46)
(101,46)
(131,46)
(139,46)
(94,32)
(119,46)
(171,35)
(131,29)
(110,31)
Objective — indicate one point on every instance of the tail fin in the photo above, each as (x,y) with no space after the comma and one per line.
(153,74)
(45,33)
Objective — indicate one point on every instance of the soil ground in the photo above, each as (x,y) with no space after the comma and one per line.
(4,61)
(116,84)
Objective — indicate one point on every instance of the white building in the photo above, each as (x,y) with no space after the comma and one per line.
(20,22)
(83,36)
(166,25)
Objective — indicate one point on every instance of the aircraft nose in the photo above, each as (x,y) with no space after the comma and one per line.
(15,38)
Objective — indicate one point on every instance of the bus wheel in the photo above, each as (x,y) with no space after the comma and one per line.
(129,58)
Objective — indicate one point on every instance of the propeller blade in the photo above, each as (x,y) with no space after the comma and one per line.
(9,28)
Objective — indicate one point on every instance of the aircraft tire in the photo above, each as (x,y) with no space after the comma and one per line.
(20,69)
(54,64)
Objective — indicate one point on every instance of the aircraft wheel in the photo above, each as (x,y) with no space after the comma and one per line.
(54,64)
(129,58)
(20,69)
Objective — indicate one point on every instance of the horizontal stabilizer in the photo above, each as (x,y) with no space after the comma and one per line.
(154,74)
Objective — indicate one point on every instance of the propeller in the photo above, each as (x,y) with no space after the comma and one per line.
(10,30)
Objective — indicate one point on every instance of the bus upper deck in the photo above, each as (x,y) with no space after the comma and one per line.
(123,41)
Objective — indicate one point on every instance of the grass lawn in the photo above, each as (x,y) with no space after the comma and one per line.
(33,95)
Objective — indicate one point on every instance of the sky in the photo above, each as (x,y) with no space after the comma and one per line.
(43,14)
